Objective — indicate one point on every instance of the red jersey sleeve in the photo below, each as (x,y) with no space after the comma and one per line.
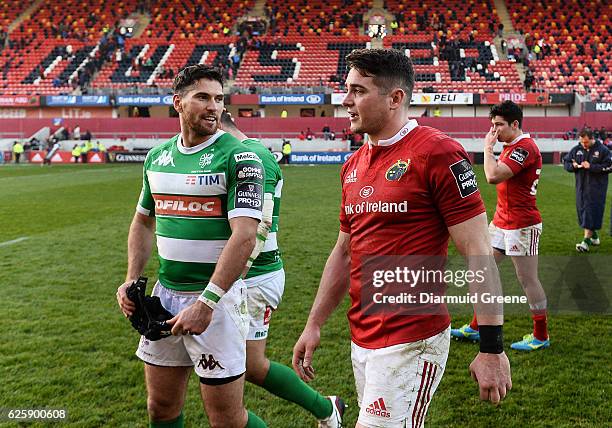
(452,182)
(520,156)
(345,226)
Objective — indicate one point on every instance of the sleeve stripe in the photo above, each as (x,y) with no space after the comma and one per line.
(244,212)
(143,210)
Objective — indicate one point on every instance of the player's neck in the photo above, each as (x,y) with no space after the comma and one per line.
(389,130)
(514,136)
(191,138)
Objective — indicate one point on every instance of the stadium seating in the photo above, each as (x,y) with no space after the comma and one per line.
(304,46)
(41,54)
(578,34)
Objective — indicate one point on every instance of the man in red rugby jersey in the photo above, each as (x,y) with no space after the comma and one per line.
(517,224)
(404,193)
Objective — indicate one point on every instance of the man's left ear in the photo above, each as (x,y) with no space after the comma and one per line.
(398,97)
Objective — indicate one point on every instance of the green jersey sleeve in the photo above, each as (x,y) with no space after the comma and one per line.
(146,203)
(245,184)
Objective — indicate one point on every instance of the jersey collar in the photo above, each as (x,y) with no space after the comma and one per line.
(409,126)
(517,139)
(191,150)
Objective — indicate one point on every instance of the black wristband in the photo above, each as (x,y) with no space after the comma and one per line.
(491,339)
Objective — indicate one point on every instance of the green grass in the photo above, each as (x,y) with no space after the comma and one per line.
(64,343)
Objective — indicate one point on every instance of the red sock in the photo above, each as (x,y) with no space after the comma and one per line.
(540,328)
(474,323)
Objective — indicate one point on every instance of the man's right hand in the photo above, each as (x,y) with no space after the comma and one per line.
(125,304)
(302,353)
(492,372)
(491,138)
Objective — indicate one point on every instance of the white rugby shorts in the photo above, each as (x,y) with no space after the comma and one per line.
(516,242)
(396,384)
(219,352)
(264,293)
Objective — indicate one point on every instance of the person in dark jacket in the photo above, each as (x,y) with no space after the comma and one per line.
(590,161)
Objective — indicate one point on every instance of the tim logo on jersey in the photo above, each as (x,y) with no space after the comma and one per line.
(464,177)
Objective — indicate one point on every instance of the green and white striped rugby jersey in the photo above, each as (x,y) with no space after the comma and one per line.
(193,192)
(269,260)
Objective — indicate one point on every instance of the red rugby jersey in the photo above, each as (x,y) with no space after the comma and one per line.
(399,198)
(516,197)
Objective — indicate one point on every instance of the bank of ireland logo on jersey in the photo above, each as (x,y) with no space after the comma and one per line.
(397,170)
(366,191)
(206,159)
(164,159)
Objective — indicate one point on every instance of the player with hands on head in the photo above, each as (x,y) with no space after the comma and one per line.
(517,224)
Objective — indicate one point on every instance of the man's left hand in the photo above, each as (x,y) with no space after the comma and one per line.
(492,372)
(191,320)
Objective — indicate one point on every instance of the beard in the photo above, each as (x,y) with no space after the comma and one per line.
(201,127)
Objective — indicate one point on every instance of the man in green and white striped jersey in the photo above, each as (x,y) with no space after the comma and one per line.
(265,280)
(202,195)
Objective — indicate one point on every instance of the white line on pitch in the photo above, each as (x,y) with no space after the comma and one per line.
(14,241)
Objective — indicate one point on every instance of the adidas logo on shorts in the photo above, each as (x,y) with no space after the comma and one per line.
(378,408)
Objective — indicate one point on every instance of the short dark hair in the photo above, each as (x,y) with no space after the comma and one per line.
(227,121)
(389,68)
(509,110)
(190,75)
(586,132)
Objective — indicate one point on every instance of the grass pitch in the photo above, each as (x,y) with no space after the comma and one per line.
(64,343)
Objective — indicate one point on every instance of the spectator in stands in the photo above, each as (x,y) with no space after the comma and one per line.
(602,134)
(76,153)
(326,132)
(309,134)
(86,136)
(17,151)
(437,111)
(302,136)
(591,163)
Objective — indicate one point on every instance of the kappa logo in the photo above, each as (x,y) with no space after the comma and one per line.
(209,363)
(164,159)
(366,191)
(206,159)
(378,408)
(352,177)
